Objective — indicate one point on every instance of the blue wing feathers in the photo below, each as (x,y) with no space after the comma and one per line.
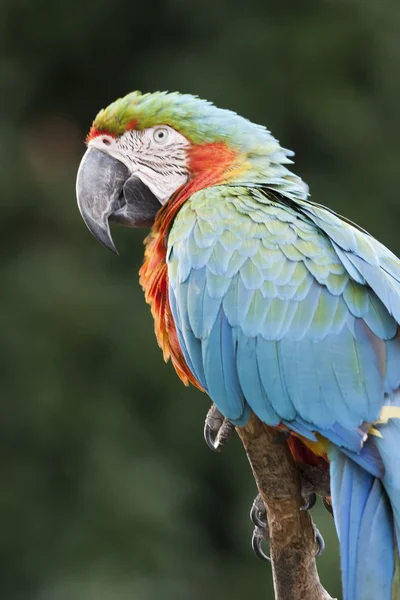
(220,372)
(301,379)
(195,288)
(217,285)
(189,344)
(365,259)
(251,320)
(324,316)
(219,259)
(357,298)
(293,313)
(199,254)
(379,320)
(211,307)
(270,370)
(274,316)
(237,301)
(230,374)
(315,360)
(348,265)
(253,391)
(305,313)
(392,379)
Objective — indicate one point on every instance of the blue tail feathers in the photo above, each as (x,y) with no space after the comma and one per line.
(389,449)
(365,527)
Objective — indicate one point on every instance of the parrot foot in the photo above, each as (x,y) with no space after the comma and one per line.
(258,516)
(217,429)
(310,498)
(316,479)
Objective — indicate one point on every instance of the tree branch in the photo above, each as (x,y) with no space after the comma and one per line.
(291,531)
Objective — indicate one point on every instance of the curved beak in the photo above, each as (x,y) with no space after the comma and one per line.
(106,191)
(98,190)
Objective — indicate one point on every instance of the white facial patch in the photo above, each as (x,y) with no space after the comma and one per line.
(156,155)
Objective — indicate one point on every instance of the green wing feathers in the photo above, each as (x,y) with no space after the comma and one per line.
(252,265)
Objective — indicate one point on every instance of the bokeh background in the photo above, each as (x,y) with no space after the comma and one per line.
(107,490)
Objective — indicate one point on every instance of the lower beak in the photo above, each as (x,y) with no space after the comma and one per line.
(106,191)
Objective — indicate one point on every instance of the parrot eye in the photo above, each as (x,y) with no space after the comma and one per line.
(160,135)
(106,141)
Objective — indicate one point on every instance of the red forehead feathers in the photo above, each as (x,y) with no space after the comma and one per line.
(94,132)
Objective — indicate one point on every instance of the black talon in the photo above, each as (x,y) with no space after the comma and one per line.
(209,437)
(320,542)
(256,541)
(327,505)
(258,514)
(217,429)
(213,424)
(309,502)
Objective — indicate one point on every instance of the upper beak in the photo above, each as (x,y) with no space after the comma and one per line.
(98,189)
(106,191)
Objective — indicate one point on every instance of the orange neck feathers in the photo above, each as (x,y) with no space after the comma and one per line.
(210,164)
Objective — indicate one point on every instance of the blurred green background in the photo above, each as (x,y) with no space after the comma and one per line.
(107,490)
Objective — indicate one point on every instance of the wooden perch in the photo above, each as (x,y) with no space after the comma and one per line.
(291,531)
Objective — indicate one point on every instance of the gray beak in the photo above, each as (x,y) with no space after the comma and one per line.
(98,189)
(106,191)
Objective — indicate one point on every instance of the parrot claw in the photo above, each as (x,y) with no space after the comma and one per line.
(217,429)
(314,480)
(319,541)
(327,505)
(309,498)
(258,516)
(256,543)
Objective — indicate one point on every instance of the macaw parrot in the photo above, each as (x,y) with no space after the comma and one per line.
(265,300)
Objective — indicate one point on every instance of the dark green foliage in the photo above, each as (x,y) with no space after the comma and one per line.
(107,489)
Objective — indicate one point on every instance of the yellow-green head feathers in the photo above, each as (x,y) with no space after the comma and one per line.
(203,123)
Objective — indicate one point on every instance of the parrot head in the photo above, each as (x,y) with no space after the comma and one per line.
(143,149)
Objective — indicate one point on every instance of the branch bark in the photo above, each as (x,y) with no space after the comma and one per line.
(291,531)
